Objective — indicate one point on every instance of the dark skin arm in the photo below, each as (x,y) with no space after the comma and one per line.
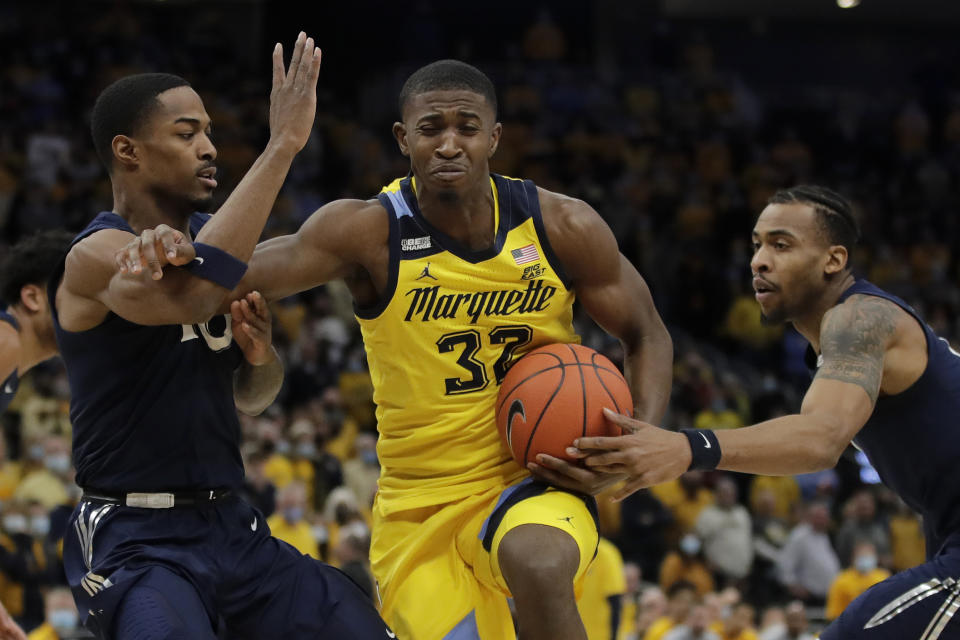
(258,380)
(9,350)
(616,297)
(92,287)
(855,338)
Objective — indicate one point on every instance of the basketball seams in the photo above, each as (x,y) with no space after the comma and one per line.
(593,358)
(543,412)
(506,395)
(583,392)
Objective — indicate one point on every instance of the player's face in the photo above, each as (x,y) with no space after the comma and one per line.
(177,154)
(790,255)
(449,137)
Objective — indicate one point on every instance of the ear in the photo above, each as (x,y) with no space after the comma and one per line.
(124,151)
(33,298)
(494,139)
(837,258)
(400,133)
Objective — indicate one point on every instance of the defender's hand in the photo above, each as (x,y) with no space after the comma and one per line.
(647,454)
(293,99)
(253,328)
(153,250)
(561,473)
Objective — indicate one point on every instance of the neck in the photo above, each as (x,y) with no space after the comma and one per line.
(143,210)
(33,348)
(466,217)
(808,325)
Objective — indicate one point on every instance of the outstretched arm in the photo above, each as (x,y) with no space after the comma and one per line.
(854,338)
(91,283)
(617,298)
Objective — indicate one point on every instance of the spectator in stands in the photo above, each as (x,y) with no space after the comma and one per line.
(361,472)
(62,621)
(725,529)
(907,542)
(808,563)
(46,478)
(289,522)
(651,606)
(682,597)
(686,564)
(695,627)
(863,574)
(739,624)
(794,626)
(643,527)
(352,555)
(862,523)
(685,497)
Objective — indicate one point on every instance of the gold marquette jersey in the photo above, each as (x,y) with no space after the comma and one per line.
(440,341)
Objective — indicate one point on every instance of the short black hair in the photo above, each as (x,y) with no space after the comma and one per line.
(122,107)
(835,213)
(31,261)
(444,75)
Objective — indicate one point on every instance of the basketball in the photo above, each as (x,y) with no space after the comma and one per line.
(556,394)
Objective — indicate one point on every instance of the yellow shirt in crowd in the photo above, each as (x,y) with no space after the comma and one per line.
(300,535)
(848,585)
(604,579)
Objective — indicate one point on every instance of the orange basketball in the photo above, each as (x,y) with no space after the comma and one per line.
(556,394)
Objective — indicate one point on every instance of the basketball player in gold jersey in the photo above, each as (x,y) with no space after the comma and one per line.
(455,273)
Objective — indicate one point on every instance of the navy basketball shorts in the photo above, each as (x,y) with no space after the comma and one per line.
(173,573)
(916,604)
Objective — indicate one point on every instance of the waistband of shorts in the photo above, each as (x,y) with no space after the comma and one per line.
(157,500)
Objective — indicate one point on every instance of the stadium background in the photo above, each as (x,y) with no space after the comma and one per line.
(674,119)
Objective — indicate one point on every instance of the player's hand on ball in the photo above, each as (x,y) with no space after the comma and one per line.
(252,327)
(293,99)
(154,249)
(561,473)
(647,454)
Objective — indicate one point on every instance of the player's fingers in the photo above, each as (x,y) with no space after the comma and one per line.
(603,459)
(185,252)
(601,443)
(250,316)
(631,487)
(626,423)
(306,64)
(253,332)
(259,304)
(134,257)
(295,58)
(314,74)
(551,477)
(148,253)
(277,67)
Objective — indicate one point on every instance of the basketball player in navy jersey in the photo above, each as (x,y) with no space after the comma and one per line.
(26,329)
(159,546)
(883,380)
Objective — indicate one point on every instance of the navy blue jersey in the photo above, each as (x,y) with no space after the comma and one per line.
(152,407)
(913,438)
(8,388)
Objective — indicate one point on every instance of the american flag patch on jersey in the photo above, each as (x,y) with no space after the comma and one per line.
(526,254)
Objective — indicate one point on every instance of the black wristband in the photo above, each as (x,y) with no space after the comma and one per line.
(705,449)
(216,265)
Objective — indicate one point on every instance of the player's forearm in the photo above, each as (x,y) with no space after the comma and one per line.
(255,388)
(649,369)
(239,222)
(787,445)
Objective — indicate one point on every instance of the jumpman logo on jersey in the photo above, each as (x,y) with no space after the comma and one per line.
(568,520)
(426,273)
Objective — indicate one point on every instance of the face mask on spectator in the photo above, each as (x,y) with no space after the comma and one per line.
(282,447)
(690,545)
(866,564)
(15,523)
(370,457)
(306,449)
(35,452)
(59,463)
(293,514)
(40,525)
(320,533)
(63,619)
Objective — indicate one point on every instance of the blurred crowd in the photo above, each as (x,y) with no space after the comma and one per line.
(677,151)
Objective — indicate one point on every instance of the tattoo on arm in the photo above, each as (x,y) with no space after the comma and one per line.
(853,341)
